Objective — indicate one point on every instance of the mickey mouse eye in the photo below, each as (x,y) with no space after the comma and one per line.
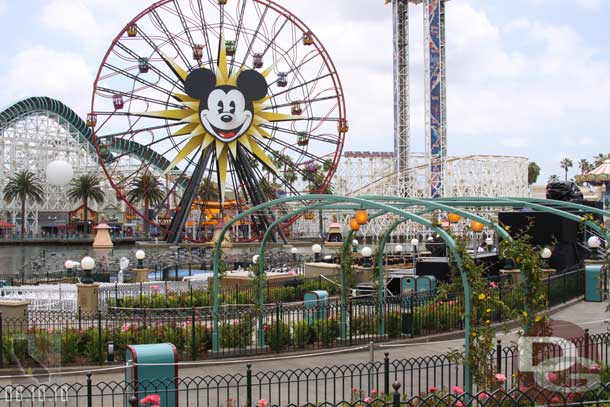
(221,107)
(232,107)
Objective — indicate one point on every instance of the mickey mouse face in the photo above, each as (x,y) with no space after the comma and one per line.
(226,112)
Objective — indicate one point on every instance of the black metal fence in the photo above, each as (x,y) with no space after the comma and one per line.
(416,378)
(76,337)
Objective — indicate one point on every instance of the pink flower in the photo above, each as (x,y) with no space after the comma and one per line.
(50,331)
(555,400)
(594,368)
(459,403)
(500,377)
(493,284)
(262,403)
(155,287)
(125,327)
(368,400)
(551,377)
(433,389)
(354,389)
(457,390)
(153,400)
(524,389)
(374,392)
(483,397)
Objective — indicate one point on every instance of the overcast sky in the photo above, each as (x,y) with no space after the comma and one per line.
(525,77)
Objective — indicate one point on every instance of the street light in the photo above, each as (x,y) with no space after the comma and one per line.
(398,248)
(594,243)
(87,264)
(546,254)
(355,245)
(415,244)
(140,256)
(294,252)
(255,259)
(366,254)
(316,249)
(69,265)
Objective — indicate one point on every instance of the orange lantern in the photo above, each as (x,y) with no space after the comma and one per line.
(362,216)
(477,226)
(354,225)
(454,217)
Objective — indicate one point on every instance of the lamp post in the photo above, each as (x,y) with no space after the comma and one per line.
(87,264)
(366,252)
(546,254)
(316,249)
(69,265)
(355,245)
(415,245)
(594,244)
(294,252)
(140,256)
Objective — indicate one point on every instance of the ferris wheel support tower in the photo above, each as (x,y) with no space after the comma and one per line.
(435,91)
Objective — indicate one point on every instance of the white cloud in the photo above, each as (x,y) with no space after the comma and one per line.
(40,71)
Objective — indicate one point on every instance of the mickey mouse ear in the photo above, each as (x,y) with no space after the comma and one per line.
(252,84)
(199,83)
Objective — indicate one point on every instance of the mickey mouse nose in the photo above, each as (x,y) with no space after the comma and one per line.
(226,118)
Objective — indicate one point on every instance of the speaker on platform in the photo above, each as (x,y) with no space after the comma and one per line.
(544,228)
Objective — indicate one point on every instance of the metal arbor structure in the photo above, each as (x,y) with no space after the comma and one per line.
(435,93)
(404,209)
(181,68)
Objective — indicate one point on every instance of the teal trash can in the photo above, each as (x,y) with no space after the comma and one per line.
(594,282)
(153,369)
(426,283)
(315,305)
(408,285)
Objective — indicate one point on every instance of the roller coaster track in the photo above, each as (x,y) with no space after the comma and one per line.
(37,105)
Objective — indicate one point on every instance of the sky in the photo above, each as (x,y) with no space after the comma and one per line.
(525,77)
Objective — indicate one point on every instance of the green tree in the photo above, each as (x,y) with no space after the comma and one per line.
(146,189)
(566,164)
(584,166)
(554,178)
(599,159)
(23,185)
(533,171)
(208,190)
(86,188)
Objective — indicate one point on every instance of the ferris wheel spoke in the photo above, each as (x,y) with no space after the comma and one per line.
(138,97)
(238,31)
(205,32)
(171,38)
(187,30)
(140,130)
(152,67)
(255,35)
(139,79)
(303,84)
(292,148)
(304,102)
(274,37)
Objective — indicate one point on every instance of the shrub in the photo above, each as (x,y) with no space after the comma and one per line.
(303,333)
(277,335)
(327,331)
(393,324)
(364,325)
(236,334)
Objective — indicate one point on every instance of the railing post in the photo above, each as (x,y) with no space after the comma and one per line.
(249,385)
(80,319)
(89,391)
(277,326)
(99,337)
(386,373)
(411,319)
(193,336)
(499,356)
(587,339)
(1,342)
(396,395)
(349,327)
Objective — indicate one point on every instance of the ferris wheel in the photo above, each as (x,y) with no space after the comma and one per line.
(221,104)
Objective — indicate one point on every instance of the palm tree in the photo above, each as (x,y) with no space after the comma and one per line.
(553,178)
(584,166)
(208,190)
(533,171)
(23,186)
(599,159)
(147,189)
(85,188)
(566,164)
